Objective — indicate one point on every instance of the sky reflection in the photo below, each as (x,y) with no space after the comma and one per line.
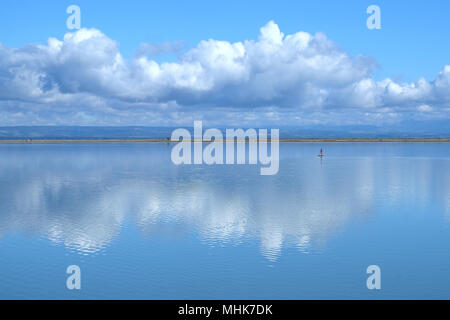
(81,196)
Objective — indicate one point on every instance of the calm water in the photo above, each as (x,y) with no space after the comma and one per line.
(140,227)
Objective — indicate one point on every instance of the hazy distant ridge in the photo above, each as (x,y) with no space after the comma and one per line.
(414,130)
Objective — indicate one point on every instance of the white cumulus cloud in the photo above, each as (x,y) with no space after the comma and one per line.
(290,75)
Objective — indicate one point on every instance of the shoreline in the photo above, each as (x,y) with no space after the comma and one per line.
(312,140)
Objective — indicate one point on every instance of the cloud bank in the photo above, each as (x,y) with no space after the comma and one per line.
(287,79)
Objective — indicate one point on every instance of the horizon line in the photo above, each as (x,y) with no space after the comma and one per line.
(54,141)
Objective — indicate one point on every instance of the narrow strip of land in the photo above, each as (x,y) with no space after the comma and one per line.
(53,141)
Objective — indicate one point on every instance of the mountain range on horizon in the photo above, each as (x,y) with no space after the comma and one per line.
(403,130)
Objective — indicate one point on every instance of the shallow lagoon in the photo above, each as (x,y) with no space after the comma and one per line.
(140,227)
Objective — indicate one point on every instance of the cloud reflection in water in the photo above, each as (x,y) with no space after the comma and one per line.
(81,196)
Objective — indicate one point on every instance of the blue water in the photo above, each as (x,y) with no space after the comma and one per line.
(140,227)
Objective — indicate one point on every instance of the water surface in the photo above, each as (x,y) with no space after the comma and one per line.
(140,227)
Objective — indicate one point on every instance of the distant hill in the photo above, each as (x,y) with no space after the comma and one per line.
(83,132)
(440,129)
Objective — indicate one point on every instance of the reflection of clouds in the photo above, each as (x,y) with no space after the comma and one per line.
(217,217)
(64,213)
(80,196)
(305,211)
(55,197)
(298,215)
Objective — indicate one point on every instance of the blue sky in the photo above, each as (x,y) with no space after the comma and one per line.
(413,43)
